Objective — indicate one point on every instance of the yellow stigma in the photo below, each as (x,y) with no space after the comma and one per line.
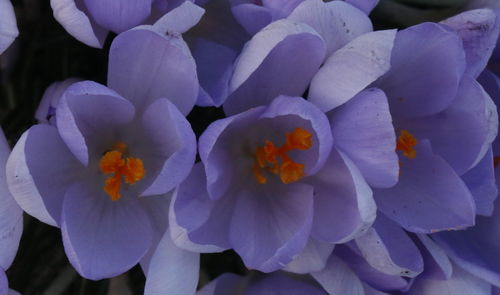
(406,141)
(275,159)
(113,162)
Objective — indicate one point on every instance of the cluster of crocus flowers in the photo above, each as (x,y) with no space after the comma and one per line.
(360,157)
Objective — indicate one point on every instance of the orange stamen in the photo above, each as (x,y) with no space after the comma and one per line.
(496,161)
(112,162)
(406,141)
(266,157)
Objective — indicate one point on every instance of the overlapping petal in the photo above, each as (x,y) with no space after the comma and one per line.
(280,60)
(343,203)
(427,64)
(145,65)
(71,14)
(36,183)
(338,278)
(357,125)
(97,231)
(88,116)
(8,25)
(172,270)
(336,22)
(172,140)
(118,16)
(351,69)
(11,215)
(268,228)
(429,196)
(479,31)
(476,248)
(387,248)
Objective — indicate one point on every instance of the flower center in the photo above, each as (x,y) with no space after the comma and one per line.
(112,162)
(406,141)
(275,159)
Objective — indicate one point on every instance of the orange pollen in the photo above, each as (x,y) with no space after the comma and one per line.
(112,162)
(496,161)
(275,159)
(406,141)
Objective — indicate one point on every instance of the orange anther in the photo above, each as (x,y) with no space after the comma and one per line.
(112,162)
(406,141)
(496,161)
(276,160)
(299,139)
(291,172)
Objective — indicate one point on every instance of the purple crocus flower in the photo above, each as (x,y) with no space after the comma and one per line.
(8,25)
(476,249)
(90,21)
(437,106)
(99,168)
(11,221)
(265,185)
(272,284)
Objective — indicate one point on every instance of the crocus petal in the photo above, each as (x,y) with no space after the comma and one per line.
(481,182)
(338,278)
(225,284)
(471,123)
(214,153)
(437,264)
(343,203)
(476,249)
(11,216)
(278,283)
(37,184)
(8,25)
(387,248)
(157,208)
(337,22)
(461,283)
(214,64)
(74,20)
(103,238)
(4,283)
(429,196)
(365,5)
(371,276)
(174,140)
(87,115)
(269,228)
(312,258)
(352,68)
(180,19)
(479,31)
(118,16)
(194,217)
(145,65)
(426,66)
(252,17)
(370,291)
(46,111)
(172,270)
(363,130)
(280,59)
